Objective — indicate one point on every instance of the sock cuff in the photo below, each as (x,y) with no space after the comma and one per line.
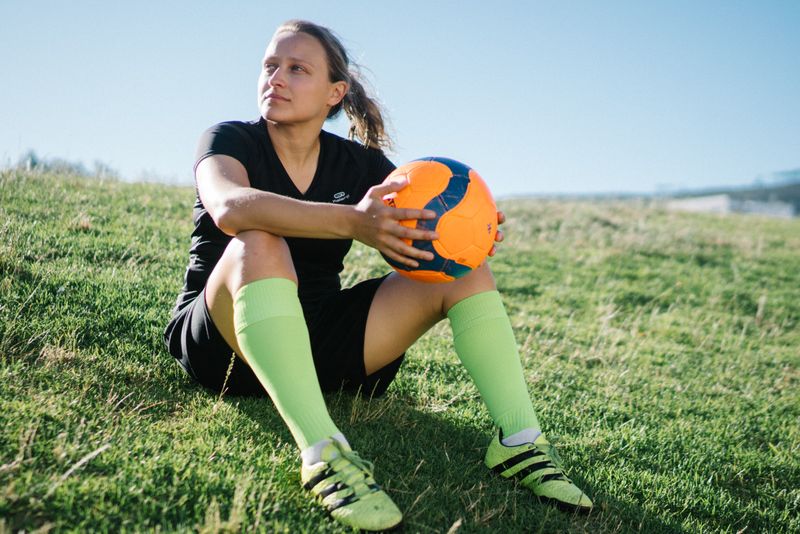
(476,309)
(264,299)
(518,419)
(309,426)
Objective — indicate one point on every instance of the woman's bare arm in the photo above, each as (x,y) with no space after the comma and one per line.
(235,207)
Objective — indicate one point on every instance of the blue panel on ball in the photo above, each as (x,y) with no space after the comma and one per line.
(454,192)
(437,206)
(456,167)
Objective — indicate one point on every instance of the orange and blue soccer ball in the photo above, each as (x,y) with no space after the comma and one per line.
(466,217)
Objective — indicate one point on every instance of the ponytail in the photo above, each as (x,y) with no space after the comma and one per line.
(366,119)
(363,111)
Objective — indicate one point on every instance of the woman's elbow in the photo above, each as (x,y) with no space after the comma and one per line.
(226,220)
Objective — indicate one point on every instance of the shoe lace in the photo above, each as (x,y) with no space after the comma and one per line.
(552,454)
(354,472)
(555,462)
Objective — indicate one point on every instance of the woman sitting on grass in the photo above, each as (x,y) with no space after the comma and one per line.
(279,203)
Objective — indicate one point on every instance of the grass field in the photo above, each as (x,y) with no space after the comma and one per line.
(661,350)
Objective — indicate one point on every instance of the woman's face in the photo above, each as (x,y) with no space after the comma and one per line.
(294,85)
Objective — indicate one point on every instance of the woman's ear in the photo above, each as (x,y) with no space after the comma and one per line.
(338,91)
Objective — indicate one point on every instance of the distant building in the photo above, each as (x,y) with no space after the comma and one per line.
(727,204)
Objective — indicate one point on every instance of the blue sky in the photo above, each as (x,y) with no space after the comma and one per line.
(538,97)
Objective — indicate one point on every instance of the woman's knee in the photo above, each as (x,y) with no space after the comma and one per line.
(478,281)
(257,240)
(254,254)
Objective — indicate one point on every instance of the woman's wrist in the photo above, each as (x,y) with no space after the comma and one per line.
(349,221)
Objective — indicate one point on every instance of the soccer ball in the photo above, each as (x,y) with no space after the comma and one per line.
(466,217)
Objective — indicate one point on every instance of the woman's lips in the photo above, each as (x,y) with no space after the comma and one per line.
(273,96)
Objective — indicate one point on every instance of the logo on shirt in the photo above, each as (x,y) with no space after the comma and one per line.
(341,196)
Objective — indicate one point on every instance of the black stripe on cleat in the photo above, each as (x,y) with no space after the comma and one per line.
(538,466)
(319,477)
(554,476)
(342,502)
(333,488)
(514,460)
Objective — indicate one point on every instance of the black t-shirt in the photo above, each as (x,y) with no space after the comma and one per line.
(345,171)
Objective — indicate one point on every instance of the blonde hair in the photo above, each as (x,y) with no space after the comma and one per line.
(363,111)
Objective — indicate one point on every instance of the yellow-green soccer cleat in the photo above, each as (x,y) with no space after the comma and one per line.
(537,467)
(343,482)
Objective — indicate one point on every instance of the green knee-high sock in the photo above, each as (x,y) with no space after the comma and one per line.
(273,336)
(486,346)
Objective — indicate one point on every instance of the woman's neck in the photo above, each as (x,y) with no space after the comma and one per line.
(296,146)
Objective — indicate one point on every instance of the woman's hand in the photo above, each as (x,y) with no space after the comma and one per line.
(501,218)
(378,225)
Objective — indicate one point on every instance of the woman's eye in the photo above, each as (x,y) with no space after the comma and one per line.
(298,68)
(269,67)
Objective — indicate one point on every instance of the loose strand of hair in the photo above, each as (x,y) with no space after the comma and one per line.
(366,119)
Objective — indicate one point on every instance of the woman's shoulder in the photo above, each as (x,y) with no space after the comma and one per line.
(238,139)
(241,128)
(349,144)
(365,157)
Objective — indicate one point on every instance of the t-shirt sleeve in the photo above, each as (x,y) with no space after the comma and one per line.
(380,167)
(224,139)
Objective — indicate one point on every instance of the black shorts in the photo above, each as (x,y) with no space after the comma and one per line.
(336,325)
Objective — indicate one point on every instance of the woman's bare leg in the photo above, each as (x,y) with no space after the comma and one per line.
(403,310)
(250,256)
(252,299)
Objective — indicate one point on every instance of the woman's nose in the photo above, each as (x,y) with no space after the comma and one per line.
(277,77)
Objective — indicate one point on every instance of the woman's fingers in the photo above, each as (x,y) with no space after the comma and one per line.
(393,185)
(399,258)
(407,214)
(399,242)
(415,234)
(499,236)
(382,228)
(403,253)
(400,250)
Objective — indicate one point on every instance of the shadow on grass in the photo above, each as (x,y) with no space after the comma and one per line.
(432,466)
(430,460)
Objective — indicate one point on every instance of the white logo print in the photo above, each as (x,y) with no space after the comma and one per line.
(341,196)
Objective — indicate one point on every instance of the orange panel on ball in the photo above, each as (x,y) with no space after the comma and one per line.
(486,217)
(424,183)
(455,235)
(473,221)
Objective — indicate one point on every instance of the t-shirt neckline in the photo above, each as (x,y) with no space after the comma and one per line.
(285,174)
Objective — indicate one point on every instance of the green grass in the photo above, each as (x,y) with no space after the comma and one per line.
(661,352)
